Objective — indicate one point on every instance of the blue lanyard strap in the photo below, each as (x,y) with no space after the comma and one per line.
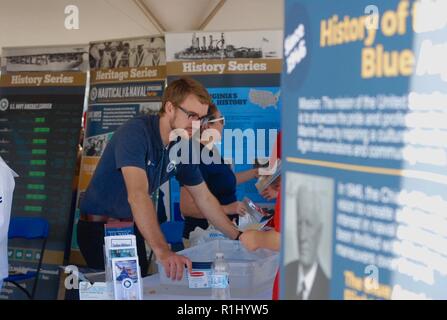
(156,193)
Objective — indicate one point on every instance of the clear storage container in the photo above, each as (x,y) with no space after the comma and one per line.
(250,272)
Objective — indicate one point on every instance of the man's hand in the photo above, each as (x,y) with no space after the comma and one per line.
(237,207)
(256,174)
(250,239)
(212,210)
(174,264)
(269,193)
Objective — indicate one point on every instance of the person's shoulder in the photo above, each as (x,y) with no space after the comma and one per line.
(138,123)
(144,118)
(292,265)
(291,274)
(321,285)
(322,276)
(291,271)
(135,131)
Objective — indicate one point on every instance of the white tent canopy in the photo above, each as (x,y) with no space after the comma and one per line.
(42,22)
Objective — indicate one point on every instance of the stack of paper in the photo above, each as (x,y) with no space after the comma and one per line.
(122,266)
(255,218)
(266,180)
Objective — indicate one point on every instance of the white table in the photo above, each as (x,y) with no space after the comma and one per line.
(153,291)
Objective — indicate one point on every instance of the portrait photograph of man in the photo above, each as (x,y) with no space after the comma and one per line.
(307,258)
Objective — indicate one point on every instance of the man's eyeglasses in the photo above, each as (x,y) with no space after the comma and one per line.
(192,115)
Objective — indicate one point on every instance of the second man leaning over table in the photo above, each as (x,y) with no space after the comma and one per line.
(219,177)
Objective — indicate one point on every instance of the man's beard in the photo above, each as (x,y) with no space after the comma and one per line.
(172,121)
(174,127)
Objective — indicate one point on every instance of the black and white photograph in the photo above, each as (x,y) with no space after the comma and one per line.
(150,108)
(131,53)
(224,45)
(45,59)
(94,146)
(308,216)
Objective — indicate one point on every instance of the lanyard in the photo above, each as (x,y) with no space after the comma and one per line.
(156,193)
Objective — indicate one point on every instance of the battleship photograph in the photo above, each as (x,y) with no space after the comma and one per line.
(214,46)
(45,62)
(56,59)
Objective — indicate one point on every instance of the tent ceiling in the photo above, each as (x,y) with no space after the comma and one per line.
(31,23)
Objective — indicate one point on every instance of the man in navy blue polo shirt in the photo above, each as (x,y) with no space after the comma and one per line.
(135,163)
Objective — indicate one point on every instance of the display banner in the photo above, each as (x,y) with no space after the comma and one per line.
(364,152)
(127,78)
(241,70)
(40,123)
(56,58)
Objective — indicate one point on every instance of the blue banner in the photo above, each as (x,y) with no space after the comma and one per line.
(364,150)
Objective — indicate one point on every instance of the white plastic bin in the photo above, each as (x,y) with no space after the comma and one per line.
(250,272)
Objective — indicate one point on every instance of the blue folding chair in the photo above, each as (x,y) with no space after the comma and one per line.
(173,232)
(30,229)
(173,229)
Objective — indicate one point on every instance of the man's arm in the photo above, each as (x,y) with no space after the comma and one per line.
(145,217)
(189,208)
(255,239)
(211,209)
(247,175)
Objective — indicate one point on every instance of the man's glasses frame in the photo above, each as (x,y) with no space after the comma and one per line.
(192,115)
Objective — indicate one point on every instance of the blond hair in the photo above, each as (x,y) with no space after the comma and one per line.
(177,91)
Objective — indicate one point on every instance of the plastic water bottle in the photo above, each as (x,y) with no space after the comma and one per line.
(221,278)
